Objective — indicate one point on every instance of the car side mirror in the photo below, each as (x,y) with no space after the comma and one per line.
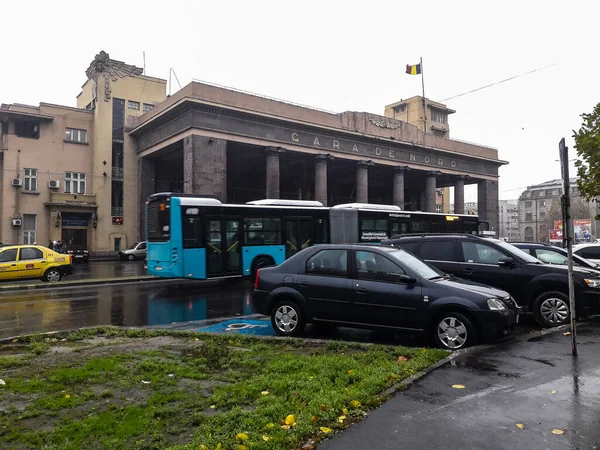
(406,279)
(506,262)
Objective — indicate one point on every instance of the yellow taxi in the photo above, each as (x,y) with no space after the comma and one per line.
(18,262)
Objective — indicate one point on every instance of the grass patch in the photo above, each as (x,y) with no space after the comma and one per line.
(154,389)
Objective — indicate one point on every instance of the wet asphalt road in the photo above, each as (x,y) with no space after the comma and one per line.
(505,384)
(97,269)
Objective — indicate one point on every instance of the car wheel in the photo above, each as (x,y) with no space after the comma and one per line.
(131,257)
(259,263)
(453,331)
(52,275)
(551,309)
(287,318)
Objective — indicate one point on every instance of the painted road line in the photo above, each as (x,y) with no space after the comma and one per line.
(241,326)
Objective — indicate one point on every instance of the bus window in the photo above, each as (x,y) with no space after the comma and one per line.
(158,221)
(373,230)
(321,231)
(399,228)
(192,231)
(262,231)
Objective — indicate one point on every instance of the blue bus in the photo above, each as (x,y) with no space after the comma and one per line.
(198,237)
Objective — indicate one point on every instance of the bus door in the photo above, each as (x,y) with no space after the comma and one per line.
(298,235)
(223,252)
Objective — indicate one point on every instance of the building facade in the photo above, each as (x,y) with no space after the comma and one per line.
(539,207)
(126,140)
(508,220)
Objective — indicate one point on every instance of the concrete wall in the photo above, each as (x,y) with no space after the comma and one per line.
(205,166)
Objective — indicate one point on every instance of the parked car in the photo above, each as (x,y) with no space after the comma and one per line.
(136,251)
(381,287)
(79,252)
(539,288)
(550,254)
(18,262)
(588,251)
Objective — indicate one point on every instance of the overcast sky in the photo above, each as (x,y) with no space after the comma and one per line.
(339,56)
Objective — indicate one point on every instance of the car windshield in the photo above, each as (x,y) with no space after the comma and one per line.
(514,251)
(134,246)
(576,258)
(415,264)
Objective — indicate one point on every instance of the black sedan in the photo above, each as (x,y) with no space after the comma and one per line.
(80,253)
(380,287)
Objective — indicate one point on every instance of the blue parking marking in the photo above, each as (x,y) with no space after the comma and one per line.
(241,326)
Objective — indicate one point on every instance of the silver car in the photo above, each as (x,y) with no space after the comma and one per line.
(136,251)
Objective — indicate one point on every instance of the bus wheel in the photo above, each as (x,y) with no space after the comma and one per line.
(259,263)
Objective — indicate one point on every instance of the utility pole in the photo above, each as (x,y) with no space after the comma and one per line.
(563,150)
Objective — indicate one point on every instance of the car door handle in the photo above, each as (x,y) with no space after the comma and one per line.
(468,271)
(302,284)
(361,290)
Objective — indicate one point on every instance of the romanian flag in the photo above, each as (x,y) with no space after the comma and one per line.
(413,70)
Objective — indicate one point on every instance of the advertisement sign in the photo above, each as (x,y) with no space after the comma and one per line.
(75,220)
(558,225)
(583,230)
(555,235)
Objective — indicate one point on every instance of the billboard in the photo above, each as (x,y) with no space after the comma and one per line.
(555,235)
(582,228)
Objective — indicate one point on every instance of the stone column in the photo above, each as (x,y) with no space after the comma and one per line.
(321,194)
(459,195)
(362,181)
(487,202)
(205,166)
(398,192)
(147,187)
(414,200)
(430,191)
(272,187)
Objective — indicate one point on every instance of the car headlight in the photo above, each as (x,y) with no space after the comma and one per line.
(495,305)
(592,282)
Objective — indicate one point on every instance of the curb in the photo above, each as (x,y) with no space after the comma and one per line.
(88,282)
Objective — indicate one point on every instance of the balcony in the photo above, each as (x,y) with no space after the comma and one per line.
(73,200)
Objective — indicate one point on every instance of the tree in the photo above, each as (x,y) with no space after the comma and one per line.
(587,145)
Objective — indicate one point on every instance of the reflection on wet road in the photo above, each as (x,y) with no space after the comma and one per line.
(135,304)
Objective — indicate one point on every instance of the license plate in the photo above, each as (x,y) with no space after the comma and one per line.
(78,256)
(158,268)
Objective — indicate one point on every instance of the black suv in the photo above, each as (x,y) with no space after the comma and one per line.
(537,287)
(380,287)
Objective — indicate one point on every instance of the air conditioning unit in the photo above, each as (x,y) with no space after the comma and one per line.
(17,222)
(54,184)
(17,182)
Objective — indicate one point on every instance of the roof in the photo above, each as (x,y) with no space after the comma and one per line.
(551,183)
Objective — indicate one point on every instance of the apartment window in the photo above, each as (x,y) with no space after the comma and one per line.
(542,193)
(528,217)
(555,192)
(148,107)
(542,203)
(28,229)
(438,208)
(543,215)
(528,204)
(118,119)
(76,135)
(74,183)
(438,116)
(528,194)
(30,183)
(30,130)
(133,105)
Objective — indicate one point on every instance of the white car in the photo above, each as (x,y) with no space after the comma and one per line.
(588,251)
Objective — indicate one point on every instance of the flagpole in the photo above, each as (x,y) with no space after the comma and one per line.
(424,107)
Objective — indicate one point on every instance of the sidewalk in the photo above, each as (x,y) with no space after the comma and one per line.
(504,385)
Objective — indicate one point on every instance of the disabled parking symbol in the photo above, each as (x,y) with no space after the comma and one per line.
(241,326)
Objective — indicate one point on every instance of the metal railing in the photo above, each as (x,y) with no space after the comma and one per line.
(117,173)
(116,211)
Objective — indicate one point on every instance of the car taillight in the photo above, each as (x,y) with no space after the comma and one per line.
(256,279)
(71,259)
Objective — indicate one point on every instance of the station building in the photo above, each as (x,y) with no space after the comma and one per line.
(82,174)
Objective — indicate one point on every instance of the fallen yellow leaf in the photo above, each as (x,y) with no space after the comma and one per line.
(264,393)
(558,431)
(203,447)
(241,447)
(326,430)
(266,438)
(271,425)
(355,404)
(520,426)
(290,420)
(342,417)
(285,427)
(554,392)
(213,406)
(314,419)
(345,411)
(323,407)
(402,358)
(568,333)
(219,446)
(458,386)
(68,396)
(241,437)
(350,372)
